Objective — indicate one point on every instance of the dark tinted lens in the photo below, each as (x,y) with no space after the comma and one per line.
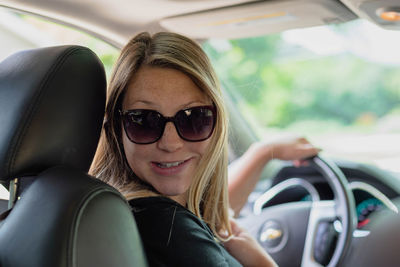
(195,124)
(143,126)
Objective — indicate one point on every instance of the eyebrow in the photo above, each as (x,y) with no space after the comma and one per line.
(193,102)
(141,101)
(129,104)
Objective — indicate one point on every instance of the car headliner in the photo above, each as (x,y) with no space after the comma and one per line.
(116,21)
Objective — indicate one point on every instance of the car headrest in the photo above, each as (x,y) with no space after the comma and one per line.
(52,104)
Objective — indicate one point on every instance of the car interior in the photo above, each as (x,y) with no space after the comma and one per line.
(340,209)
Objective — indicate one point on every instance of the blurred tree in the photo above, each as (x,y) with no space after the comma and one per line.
(340,88)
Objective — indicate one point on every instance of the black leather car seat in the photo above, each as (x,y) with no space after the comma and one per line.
(51,112)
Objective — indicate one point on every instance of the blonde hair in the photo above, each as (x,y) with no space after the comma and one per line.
(207,194)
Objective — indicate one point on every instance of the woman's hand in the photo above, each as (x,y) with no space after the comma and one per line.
(295,149)
(245,249)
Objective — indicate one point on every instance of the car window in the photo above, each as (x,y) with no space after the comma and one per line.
(338,85)
(22,31)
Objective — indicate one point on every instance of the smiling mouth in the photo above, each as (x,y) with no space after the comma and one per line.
(165,165)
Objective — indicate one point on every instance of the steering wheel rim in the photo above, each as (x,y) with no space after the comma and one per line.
(343,209)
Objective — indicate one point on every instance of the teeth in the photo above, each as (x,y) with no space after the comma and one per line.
(169,165)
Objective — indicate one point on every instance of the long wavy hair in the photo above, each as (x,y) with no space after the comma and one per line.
(207,194)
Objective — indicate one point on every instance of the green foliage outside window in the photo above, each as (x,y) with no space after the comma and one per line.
(279,89)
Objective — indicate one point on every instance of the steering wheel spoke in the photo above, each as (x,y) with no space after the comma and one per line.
(321,212)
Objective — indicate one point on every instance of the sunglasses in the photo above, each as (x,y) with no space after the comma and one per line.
(145,126)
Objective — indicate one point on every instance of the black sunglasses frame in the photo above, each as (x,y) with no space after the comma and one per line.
(169,119)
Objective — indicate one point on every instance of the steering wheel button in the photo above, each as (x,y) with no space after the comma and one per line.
(325,242)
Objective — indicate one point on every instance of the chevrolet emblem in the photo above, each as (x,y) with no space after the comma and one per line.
(270,234)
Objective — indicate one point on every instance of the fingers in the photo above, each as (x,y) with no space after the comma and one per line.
(308,149)
(301,153)
(300,163)
(290,149)
(295,151)
(236,229)
(302,140)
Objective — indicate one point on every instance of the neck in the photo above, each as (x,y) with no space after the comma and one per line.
(181,199)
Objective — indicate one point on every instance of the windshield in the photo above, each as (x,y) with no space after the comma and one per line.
(338,85)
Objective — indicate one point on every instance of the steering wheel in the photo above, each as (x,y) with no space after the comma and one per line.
(307,234)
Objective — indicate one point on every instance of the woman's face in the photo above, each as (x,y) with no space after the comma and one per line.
(170,163)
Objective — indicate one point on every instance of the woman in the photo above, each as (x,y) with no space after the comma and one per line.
(164,146)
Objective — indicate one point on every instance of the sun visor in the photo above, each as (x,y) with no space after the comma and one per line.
(258,18)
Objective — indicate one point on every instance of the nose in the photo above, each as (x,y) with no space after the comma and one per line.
(170,141)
